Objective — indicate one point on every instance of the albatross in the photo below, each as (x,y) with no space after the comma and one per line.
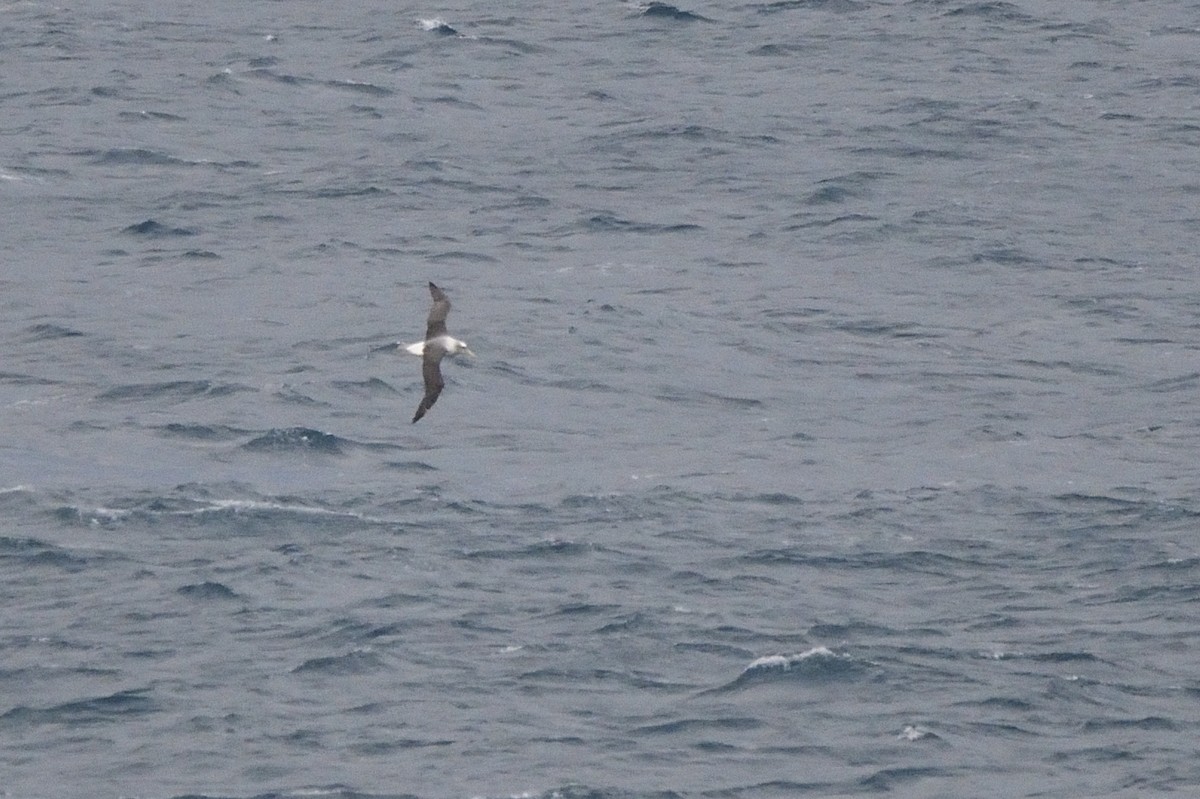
(437,344)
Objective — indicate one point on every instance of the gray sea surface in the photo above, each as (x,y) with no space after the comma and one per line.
(833,430)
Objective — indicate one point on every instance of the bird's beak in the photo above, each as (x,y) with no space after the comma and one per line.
(467,350)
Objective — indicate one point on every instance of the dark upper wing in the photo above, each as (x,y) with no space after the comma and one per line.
(437,314)
(431,370)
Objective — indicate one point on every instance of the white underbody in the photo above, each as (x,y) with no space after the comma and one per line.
(452,346)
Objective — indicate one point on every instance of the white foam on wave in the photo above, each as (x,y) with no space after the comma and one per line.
(785,662)
(912,732)
(238,505)
(203,507)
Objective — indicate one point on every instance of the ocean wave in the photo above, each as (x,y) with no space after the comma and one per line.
(107,708)
(359,661)
(297,439)
(666,11)
(437,25)
(175,390)
(191,503)
(818,664)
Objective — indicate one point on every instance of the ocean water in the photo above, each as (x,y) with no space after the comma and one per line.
(832,433)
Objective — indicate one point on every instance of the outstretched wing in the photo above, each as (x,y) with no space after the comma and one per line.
(431,370)
(437,314)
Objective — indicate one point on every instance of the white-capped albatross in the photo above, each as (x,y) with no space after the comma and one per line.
(436,345)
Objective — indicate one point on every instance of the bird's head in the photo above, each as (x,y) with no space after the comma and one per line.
(461,346)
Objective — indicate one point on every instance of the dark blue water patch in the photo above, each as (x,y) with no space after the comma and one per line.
(830,194)
(891,779)
(31,553)
(996,11)
(1013,256)
(40,172)
(1110,509)
(511,46)
(575,384)
(200,432)
(207,591)
(630,622)
(374,387)
(807,221)
(59,559)
(777,50)
(19,379)
(447,101)
(871,327)
(296,439)
(520,203)
(323,791)
(49,332)
(678,726)
(770,789)
(692,398)
(13,547)
(1185,594)
(461,256)
(860,629)
(776,498)
(150,116)
(368,111)
(111,708)
(396,745)
(575,677)
(356,87)
(413,467)
(342,192)
(291,395)
(585,609)
(1062,657)
(1185,382)
(1096,754)
(1173,565)
(1076,367)
(174,390)
(200,255)
(137,157)
(353,632)
(836,6)
(1143,723)
(611,223)
(154,229)
(666,11)
(349,664)
(910,152)
(539,550)
(918,561)
(711,648)
(994,704)
(693,133)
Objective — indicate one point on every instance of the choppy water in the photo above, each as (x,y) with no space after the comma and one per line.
(833,431)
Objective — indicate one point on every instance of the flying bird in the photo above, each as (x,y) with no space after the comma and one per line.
(437,344)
